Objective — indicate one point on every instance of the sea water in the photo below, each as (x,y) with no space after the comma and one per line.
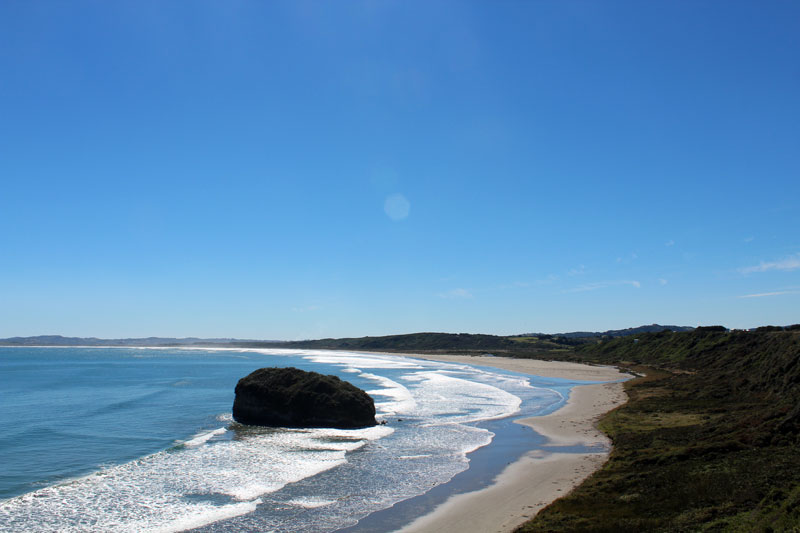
(142,439)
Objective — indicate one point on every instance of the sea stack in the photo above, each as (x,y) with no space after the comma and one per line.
(290,397)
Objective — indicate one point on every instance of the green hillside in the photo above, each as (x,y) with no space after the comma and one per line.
(463,343)
(709,441)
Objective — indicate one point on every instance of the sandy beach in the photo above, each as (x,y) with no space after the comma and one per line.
(537,478)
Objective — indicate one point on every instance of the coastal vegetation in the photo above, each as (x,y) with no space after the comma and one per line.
(708,441)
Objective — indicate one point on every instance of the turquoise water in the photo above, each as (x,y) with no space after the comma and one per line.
(95,439)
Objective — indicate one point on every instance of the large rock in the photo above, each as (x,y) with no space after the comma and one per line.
(289,397)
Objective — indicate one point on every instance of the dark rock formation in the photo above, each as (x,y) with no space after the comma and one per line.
(289,397)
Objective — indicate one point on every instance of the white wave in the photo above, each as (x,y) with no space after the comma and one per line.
(402,399)
(443,398)
(201,518)
(489,374)
(487,439)
(188,487)
(202,438)
(356,360)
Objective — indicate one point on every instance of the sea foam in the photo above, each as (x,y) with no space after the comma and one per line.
(201,482)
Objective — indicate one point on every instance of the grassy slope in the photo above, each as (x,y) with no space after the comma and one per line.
(708,441)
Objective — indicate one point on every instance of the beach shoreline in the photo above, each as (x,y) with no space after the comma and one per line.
(538,477)
(509,495)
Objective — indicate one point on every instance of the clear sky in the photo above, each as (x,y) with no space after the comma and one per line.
(288,170)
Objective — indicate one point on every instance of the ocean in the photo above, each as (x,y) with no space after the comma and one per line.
(142,440)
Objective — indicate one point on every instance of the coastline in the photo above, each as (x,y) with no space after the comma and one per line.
(538,477)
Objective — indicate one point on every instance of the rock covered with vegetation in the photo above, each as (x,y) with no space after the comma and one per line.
(289,397)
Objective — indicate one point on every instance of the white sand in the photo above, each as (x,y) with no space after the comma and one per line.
(538,478)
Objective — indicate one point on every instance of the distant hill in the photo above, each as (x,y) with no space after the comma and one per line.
(652,328)
(465,343)
(413,342)
(58,340)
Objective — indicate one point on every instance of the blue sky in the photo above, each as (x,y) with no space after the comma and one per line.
(292,170)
